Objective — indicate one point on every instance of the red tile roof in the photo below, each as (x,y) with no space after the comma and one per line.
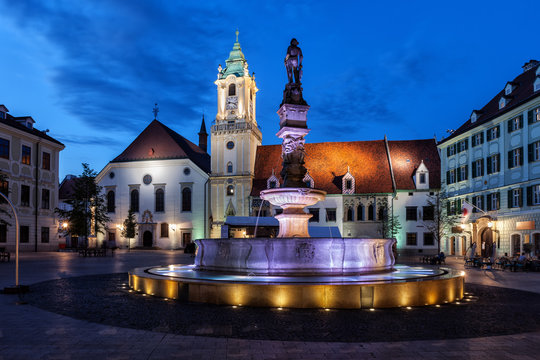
(67,187)
(368,162)
(158,142)
(523,92)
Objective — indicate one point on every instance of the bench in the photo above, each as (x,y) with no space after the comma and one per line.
(4,255)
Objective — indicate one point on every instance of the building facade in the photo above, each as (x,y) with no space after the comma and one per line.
(29,160)
(163,178)
(235,136)
(493,162)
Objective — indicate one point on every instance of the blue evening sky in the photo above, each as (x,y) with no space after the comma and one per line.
(91,71)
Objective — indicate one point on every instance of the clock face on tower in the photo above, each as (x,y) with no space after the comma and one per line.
(232,103)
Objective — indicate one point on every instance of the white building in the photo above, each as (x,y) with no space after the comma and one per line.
(163,178)
(493,162)
(29,159)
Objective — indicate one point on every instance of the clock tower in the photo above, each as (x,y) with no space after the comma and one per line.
(234,140)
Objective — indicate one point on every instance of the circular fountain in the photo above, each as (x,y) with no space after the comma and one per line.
(293,269)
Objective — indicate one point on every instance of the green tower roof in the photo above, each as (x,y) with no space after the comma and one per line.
(236,62)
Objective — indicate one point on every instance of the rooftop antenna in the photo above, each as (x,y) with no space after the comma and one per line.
(155,110)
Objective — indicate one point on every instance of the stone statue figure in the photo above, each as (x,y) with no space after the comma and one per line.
(293,153)
(293,62)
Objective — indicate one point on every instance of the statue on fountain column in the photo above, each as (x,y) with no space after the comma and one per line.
(293,63)
(293,153)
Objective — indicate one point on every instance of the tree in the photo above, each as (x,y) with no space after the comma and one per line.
(4,190)
(88,213)
(390,224)
(130,227)
(442,221)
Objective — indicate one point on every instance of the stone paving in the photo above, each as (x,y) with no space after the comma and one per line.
(27,332)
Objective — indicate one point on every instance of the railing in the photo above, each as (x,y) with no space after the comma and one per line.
(235,126)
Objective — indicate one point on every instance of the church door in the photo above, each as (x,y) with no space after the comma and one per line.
(487,243)
(147,239)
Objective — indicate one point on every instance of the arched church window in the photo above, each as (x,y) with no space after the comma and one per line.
(371,212)
(134,200)
(232,90)
(229,167)
(230,190)
(186,199)
(350,215)
(160,200)
(110,201)
(360,212)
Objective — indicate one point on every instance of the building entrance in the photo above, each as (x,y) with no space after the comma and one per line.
(487,243)
(147,239)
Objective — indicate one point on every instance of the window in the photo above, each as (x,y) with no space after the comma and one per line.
(164,230)
(331,215)
(25,195)
(4,149)
(4,189)
(112,236)
(534,151)
(451,150)
(516,244)
(26,155)
(3,233)
(232,90)
(411,213)
(46,161)
(422,178)
(272,184)
(350,214)
(515,158)
(134,200)
(160,200)
(429,212)
(348,184)
(110,201)
(230,190)
(493,133)
(411,239)
(45,195)
(429,239)
(229,167)
(371,212)
(514,198)
(24,234)
(462,145)
(45,235)
(492,202)
(307,183)
(477,139)
(186,199)
(493,164)
(534,115)
(462,173)
(478,201)
(187,171)
(533,195)
(515,123)
(451,176)
(478,168)
(230,145)
(315,213)
(360,212)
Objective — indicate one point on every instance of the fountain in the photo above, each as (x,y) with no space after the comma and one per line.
(293,269)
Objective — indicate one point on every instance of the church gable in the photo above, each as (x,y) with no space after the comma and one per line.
(158,142)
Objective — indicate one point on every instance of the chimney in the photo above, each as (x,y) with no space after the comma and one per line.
(529,65)
(203,136)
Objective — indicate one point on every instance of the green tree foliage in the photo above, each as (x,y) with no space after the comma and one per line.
(88,213)
(130,226)
(390,224)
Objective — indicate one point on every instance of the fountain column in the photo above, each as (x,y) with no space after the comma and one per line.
(293,195)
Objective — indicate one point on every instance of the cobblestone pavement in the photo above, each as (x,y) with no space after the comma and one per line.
(27,332)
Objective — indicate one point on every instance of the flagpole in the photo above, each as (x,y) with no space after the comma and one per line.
(476,207)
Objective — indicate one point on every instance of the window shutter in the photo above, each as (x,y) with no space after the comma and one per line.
(488,202)
(466,143)
(482,137)
(509,126)
(458,206)
(458,175)
(530,153)
(498,162)
(521,156)
(498,201)
(509,199)
(488,134)
(488,162)
(510,162)
(529,195)
(474,174)
(466,172)
(530,114)
(473,141)
(448,151)
(448,177)
(482,202)
(521,121)
(498,131)
(448,207)
(482,167)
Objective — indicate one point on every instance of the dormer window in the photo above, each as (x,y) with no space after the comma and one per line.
(537,82)
(473,117)
(503,102)
(308,180)
(508,89)
(348,183)
(272,182)
(421,177)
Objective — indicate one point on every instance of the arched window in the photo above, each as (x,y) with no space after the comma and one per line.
(186,199)
(110,201)
(232,90)
(371,212)
(230,190)
(160,200)
(229,167)
(134,200)
(360,212)
(350,215)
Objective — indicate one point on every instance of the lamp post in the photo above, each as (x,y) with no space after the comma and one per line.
(16,243)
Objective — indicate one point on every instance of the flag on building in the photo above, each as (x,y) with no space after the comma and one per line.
(466,211)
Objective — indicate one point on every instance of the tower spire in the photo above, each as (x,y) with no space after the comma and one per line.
(203,136)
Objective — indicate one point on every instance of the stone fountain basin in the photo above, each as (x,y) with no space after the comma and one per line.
(295,256)
(293,197)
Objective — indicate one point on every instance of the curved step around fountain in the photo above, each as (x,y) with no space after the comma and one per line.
(295,256)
